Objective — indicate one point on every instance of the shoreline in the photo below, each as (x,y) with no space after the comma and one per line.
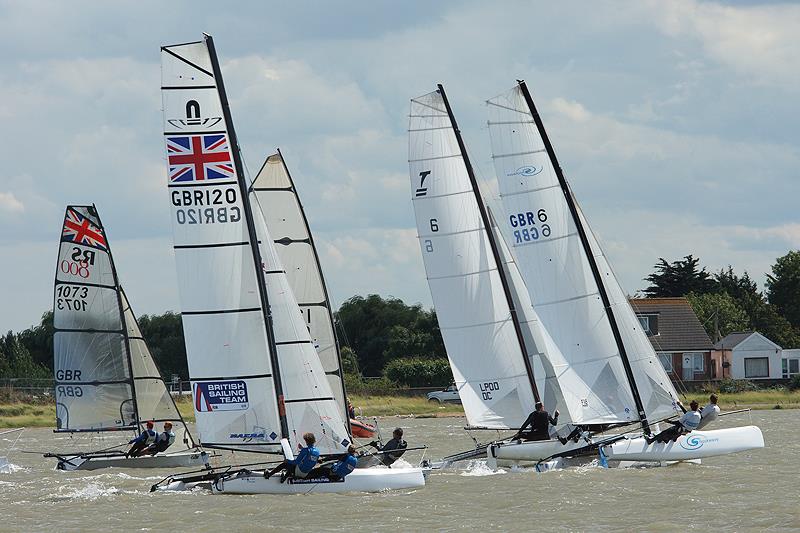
(22,414)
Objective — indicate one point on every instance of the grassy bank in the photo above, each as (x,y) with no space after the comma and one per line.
(33,415)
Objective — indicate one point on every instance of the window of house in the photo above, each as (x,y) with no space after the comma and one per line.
(695,361)
(649,324)
(756,367)
(666,361)
(790,367)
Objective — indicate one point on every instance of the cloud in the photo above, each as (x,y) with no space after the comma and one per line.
(10,204)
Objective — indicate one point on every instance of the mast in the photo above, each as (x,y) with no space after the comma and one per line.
(118,290)
(324,289)
(589,256)
(493,245)
(251,231)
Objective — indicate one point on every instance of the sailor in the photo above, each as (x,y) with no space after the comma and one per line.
(538,421)
(338,470)
(709,413)
(351,411)
(301,465)
(396,445)
(687,423)
(163,441)
(145,439)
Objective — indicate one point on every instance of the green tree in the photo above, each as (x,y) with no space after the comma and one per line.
(679,278)
(16,360)
(718,310)
(783,287)
(349,361)
(38,340)
(164,336)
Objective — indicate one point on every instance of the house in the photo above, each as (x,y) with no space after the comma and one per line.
(678,338)
(750,355)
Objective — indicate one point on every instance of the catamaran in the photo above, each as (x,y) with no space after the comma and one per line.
(277,198)
(257,379)
(608,375)
(106,379)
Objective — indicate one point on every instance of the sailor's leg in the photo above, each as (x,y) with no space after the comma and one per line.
(275,470)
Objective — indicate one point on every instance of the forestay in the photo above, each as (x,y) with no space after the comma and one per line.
(472,310)
(280,205)
(256,377)
(544,236)
(106,378)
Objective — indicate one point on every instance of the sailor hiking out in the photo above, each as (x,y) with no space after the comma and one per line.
(709,413)
(396,445)
(687,423)
(338,470)
(539,422)
(163,441)
(145,439)
(302,465)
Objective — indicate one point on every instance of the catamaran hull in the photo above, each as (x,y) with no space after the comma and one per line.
(173,460)
(361,480)
(530,451)
(695,445)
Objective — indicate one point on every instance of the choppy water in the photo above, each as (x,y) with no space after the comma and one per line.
(744,492)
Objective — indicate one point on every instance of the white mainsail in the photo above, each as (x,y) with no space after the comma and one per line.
(256,376)
(545,239)
(106,378)
(474,315)
(280,205)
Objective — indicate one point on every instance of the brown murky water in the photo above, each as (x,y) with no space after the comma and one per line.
(744,492)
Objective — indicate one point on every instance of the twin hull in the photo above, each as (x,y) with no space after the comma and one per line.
(695,445)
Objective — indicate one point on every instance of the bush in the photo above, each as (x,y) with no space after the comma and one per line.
(794,383)
(730,386)
(355,384)
(416,372)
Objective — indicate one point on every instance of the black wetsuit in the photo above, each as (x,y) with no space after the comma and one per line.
(538,420)
(393,444)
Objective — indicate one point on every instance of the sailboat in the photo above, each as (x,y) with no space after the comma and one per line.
(479,305)
(257,379)
(106,379)
(279,202)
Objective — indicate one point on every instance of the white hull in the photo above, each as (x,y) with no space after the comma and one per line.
(695,445)
(172,460)
(531,450)
(361,480)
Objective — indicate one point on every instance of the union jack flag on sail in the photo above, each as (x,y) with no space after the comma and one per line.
(80,230)
(199,158)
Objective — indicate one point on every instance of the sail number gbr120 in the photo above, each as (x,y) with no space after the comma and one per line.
(206,205)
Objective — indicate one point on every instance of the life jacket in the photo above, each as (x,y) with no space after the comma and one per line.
(151,436)
(345,466)
(165,440)
(690,420)
(307,458)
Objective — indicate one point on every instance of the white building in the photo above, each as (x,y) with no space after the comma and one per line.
(750,355)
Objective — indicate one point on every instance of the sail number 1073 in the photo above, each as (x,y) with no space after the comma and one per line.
(531,226)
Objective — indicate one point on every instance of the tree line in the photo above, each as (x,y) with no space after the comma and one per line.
(725,301)
(387,337)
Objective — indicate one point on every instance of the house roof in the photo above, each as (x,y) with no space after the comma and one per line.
(732,340)
(678,327)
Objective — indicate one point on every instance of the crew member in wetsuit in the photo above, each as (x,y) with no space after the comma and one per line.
(163,441)
(688,422)
(709,413)
(396,445)
(307,458)
(340,469)
(539,421)
(145,439)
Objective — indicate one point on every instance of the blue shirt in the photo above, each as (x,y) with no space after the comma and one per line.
(345,466)
(306,459)
(147,436)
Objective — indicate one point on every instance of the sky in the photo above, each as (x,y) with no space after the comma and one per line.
(675,122)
